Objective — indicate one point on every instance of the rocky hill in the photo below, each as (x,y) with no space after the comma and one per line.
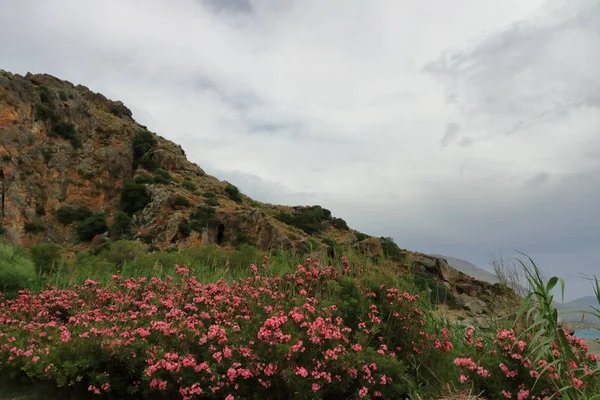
(78,170)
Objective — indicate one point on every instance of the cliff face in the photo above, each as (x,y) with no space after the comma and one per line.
(65,148)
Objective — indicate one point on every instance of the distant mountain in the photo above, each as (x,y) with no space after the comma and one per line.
(469,269)
(582,303)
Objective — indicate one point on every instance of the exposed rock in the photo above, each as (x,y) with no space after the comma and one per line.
(473,305)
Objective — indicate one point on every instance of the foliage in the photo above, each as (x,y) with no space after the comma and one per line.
(180,201)
(438,293)
(35,226)
(121,252)
(134,197)
(144,179)
(162,176)
(201,217)
(391,249)
(185,229)
(2,229)
(92,226)
(296,335)
(233,193)
(211,202)
(46,257)
(309,219)
(340,223)
(67,214)
(361,236)
(187,184)
(16,270)
(121,226)
(143,143)
(67,130)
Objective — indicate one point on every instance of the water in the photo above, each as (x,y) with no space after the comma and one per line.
(588,334)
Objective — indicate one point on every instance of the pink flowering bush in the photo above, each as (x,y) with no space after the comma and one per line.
(507,367)
(319,332)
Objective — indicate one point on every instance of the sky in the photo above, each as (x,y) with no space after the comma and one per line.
(466,128)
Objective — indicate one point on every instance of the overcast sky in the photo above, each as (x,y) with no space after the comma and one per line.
(467,127)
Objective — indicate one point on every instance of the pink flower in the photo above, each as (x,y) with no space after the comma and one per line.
(315,387)
(363,392)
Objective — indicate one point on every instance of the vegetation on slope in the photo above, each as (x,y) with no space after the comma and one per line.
(124,323)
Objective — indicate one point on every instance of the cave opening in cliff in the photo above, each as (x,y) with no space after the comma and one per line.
(220,233)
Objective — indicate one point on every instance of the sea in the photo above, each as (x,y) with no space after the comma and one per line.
(588,333)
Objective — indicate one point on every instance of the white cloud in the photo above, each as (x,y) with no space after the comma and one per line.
(348,104)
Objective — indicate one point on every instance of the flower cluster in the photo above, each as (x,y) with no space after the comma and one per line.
(317,330)
(506,361)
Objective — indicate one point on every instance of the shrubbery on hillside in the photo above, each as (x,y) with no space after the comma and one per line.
(134,197)
(16,270)
(233,192)
(92,226)
(309,219)
(47,257)
(67,214)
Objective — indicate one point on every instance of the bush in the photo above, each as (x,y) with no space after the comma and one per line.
(2,230)
(361,236)
(92,226)
(211,202)
(16,270)
(134,197)
(185,229)
(144,179)
(68,215)
(391,249)
(122,251)
(46,257)
(180,201)
(201,217)
(162,176)
(309,219)
(188,185)
(340,224)
(143,142)
(233,193)
(121,226)
(34,227)
(67,130)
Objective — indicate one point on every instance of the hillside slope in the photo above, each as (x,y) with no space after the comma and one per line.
(469,269)
(78,170)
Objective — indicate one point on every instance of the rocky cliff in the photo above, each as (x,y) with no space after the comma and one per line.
(76,169)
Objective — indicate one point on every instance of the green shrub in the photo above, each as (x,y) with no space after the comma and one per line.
(340,224)
(143,142)
(201,217)
(67,214)
(143,179)
(309,219)
(92,226)
(233,193)
(46,257)
(188,185)
(162,176)
(34,227)
(2,230)
(16,270)
(211,202)
(134,197)
(45,93)
(209,195)
(67,130)
(361,236)
(185,229)
(180,201)
(391,249)
(122,251)
(121,226)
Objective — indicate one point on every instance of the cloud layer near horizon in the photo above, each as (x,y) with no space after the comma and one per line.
(467,129)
